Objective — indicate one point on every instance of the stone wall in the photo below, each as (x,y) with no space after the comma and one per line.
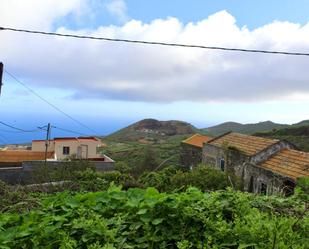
(234,160)
(254,177)
(190,156)
(265,154)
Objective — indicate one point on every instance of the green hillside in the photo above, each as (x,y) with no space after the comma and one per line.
(296,134)
(243,128)
(151,131)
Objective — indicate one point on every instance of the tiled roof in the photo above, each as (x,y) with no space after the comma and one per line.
(288,162)
(18,156)
(70,139)
(249,145)
(197,140)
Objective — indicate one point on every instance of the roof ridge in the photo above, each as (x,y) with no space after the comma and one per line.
(217,137)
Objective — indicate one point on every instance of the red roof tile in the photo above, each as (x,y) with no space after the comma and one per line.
(197,140)
(249,145)
(288,162)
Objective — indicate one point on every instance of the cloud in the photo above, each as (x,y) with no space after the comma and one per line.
(36,13)
(106,70)
(118,8)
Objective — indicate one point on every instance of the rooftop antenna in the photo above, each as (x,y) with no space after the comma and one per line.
(1,74)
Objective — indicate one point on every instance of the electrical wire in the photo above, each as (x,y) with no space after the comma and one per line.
(16,128)
(70,131)
(154,43)
(48,102)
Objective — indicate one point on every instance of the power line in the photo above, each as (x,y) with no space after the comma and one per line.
(155,43)
(16,128)
(48,102)
(67,130)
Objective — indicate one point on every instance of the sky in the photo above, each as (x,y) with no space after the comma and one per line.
(107,86)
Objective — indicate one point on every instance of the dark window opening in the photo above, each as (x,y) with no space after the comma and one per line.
(66,150)
(263,189)
(288,188)
(222,164)
(251,186)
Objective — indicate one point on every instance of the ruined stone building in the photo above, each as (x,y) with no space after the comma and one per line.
(264,165)
(191,150)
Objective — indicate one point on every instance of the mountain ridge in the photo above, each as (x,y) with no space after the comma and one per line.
(151,130)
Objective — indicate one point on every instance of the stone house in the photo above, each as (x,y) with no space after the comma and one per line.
(264,165)
(191,150)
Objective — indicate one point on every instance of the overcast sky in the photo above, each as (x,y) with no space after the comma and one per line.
(108,85)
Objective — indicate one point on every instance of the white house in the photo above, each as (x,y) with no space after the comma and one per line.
(72,147)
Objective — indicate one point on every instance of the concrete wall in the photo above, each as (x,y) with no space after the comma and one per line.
(14,175)
(26,173)
(40,146)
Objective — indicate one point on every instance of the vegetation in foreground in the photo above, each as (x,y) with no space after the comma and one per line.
(89,211)
(145,218)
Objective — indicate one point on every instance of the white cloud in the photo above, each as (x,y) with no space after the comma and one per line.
(118,8)
(96,69)
(36,13)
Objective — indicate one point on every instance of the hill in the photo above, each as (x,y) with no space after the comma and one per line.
(243,128)
(296,134)
(151,130)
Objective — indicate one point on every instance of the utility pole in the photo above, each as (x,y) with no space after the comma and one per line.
(1,74)
(47,142)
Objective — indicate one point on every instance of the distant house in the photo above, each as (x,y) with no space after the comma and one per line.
(16,165)
(191,150)
(72,147)
(265,165)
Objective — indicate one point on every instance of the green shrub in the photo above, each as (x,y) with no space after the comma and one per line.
(204,178)
(15,199)
(161,180)
(122,167)
(140,218)
(64,171)
(303,184)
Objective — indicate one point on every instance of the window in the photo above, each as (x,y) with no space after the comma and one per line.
(99,149)
(66,150)
(222,164)
(263,189)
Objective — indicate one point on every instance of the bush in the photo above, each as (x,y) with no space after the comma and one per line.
(303,184)
(204,178)
(15,199)
(140,218)
(161,180)
(64,171)
(122,167)
(90,180)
